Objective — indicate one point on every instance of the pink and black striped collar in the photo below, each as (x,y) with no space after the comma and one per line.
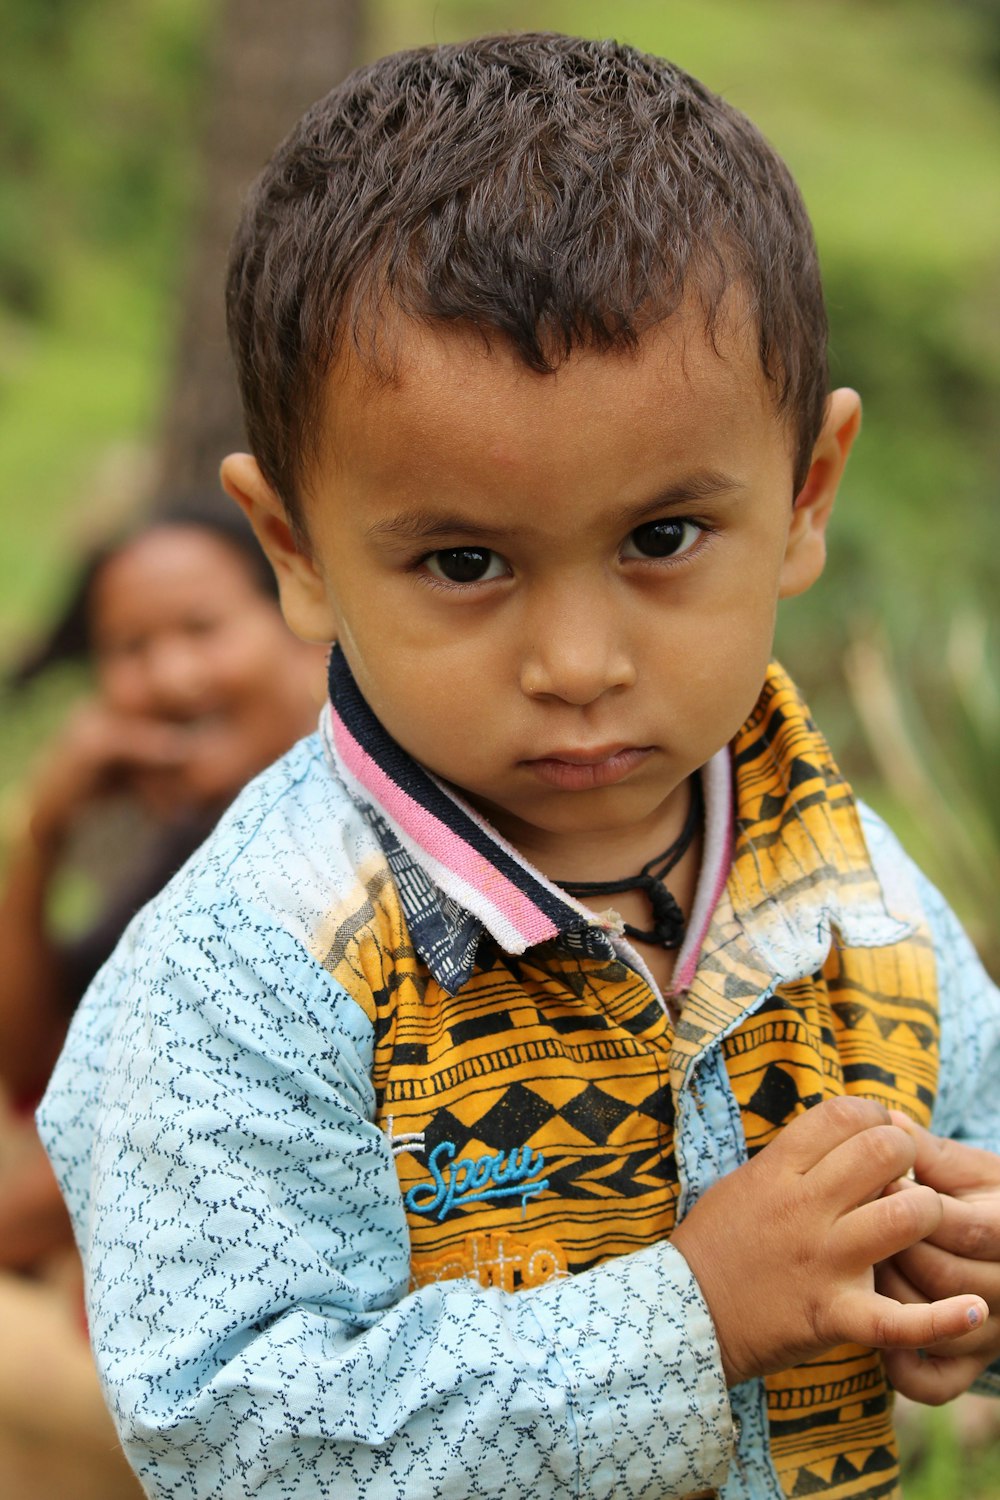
(419,818)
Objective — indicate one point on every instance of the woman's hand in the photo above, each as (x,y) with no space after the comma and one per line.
(98,752)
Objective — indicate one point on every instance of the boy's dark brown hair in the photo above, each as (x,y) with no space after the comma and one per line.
(557,192)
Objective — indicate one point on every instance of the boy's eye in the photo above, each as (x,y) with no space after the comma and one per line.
(465,565)
(667,538)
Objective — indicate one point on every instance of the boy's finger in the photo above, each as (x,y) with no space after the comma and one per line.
(937,1272)
(890,1282)
(929,1378)
(969,1343)
(970,1227)
(859,1169)
(880,1323)
(875,1231)
(813,1135)
(950,1166)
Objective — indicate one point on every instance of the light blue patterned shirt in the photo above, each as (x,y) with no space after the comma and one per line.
(212,1122)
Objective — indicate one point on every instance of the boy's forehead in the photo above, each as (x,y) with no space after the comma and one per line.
(435,379)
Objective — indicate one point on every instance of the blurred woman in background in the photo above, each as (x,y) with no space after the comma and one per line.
(198,684)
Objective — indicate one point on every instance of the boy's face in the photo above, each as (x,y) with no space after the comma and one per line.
(558,591)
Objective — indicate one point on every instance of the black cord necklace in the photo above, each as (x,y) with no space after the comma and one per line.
(668,919)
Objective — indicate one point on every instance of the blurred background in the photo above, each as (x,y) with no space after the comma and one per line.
(129,130)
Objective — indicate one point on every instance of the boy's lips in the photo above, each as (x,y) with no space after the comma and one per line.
(586,770)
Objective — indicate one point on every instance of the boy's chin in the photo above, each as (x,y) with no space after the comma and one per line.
(552,814)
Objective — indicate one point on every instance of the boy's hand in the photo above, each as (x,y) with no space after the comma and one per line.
(962,1252)
(784,1247)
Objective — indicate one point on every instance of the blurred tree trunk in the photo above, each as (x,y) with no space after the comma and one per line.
(270,62)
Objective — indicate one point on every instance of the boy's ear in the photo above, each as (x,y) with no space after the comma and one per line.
(305,599)
(805,552)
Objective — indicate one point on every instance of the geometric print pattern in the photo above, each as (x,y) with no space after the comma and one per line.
(572,1060)
(865,1022)
(556,1054)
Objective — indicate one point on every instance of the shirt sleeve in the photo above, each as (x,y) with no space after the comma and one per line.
(967,1107)
(212,1123)
(968,1101)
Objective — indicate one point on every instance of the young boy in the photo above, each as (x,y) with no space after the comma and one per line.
(498,1103)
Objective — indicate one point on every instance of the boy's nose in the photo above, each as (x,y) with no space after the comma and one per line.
(575,653)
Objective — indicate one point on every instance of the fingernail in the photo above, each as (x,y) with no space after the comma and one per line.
(974,1317)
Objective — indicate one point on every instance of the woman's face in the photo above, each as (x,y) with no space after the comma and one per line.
(183,635)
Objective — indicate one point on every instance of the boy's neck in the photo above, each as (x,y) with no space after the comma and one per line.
(616,854)
(597,854)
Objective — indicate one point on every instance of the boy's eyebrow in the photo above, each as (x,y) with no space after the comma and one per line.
(701,484)
(431,526)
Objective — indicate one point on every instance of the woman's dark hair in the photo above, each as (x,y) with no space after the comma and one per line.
(69,636)
(557,192)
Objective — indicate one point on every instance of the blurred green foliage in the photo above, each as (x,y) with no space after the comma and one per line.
(99,107)
(942,1461)
(888,112)
(95,100)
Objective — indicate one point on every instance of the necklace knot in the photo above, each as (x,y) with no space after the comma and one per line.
(668,919)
